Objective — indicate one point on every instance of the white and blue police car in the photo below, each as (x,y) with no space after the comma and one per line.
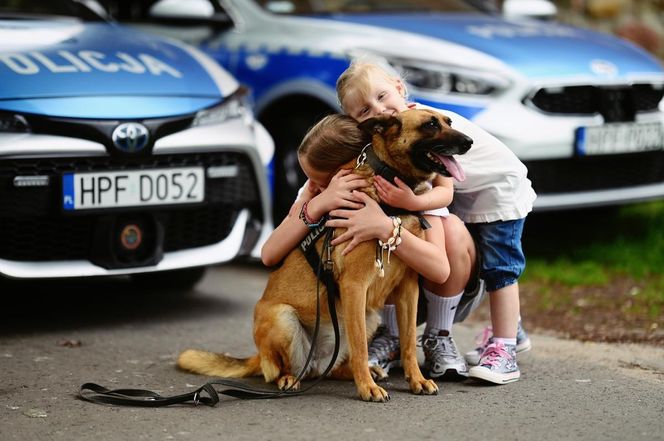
(121,152)
(582,109)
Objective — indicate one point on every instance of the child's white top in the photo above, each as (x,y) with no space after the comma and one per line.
(496,185)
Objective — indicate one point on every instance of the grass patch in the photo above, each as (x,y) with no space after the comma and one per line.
(593,271)
(588,247)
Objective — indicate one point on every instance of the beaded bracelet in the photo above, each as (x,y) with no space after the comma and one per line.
(390,245)
(308,221)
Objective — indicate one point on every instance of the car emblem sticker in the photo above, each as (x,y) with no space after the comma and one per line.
(130,137)
(131,237)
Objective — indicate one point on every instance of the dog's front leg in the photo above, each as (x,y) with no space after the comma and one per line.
(406,307)
(353,304)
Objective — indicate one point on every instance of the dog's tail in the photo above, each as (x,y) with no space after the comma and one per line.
(219,365)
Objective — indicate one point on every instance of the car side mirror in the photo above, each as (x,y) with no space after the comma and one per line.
(188,12)
(540,9)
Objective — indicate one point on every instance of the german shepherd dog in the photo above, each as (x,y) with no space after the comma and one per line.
(417,143)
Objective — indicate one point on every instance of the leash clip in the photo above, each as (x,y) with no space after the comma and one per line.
(197,398)
(362,158)
(328,265)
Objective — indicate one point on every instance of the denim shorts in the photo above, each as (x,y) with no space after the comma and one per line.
(500,254)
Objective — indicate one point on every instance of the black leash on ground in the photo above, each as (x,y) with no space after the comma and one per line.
(208,394)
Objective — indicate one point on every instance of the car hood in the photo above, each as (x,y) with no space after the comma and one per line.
(58,59)
(533,48)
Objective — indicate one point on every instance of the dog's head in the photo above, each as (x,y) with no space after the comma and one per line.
(418,143)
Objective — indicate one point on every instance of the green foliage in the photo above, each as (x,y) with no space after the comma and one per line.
(587,247)
(569,251)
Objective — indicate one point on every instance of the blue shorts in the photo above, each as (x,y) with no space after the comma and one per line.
(501,257)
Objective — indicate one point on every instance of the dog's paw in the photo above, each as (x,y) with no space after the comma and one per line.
(288,382)
(377,373)
(374,393)
(424,387)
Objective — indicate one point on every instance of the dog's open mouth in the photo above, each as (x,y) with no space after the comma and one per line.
(447,166)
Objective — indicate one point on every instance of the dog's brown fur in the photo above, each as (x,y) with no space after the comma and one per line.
(285,316)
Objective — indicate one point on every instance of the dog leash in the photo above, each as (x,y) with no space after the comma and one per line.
(207,394)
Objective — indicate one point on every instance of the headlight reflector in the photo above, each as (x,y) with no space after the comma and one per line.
(13,123)
(234,106)
(447,79)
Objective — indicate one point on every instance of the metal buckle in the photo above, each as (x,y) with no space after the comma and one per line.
(362,158)
(197,398)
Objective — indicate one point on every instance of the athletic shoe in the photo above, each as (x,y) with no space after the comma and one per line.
(384,351)
(483,339)
(497,364)
(441,356)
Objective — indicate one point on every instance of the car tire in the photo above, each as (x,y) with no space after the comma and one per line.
(287,128)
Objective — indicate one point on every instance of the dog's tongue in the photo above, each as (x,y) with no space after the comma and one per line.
(453,167)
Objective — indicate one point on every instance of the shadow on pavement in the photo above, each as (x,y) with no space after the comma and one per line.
(40,306)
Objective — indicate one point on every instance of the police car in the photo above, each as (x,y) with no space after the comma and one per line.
(583,110)
(121,152)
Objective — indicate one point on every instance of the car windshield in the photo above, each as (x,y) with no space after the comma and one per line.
(301,7)
(39,9)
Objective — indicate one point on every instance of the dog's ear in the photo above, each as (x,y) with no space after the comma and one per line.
(379,124)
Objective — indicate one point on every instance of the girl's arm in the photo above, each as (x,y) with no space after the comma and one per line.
(339,193)
(427,257)
(399,195)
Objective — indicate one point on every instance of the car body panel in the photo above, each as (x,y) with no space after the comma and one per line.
(70,84)
(292,62)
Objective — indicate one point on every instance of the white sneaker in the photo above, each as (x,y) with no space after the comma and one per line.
(497,364)
(441,356)
(483,339)
(384,351)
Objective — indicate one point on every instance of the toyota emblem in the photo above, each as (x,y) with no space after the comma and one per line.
(130,137)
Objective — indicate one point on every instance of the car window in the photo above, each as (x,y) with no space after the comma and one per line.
(39,9)
(300,7)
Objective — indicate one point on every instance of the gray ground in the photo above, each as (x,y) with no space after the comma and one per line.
(130,338)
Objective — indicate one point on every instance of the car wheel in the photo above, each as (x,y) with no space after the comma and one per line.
(287,128)
(174,280)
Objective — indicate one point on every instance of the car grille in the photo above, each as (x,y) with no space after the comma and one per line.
(615,103)
(35,228)
(596,172)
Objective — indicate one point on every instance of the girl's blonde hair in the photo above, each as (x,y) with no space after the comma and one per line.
(332,142)
(357,77)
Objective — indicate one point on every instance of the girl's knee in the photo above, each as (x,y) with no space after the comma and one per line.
(458,241)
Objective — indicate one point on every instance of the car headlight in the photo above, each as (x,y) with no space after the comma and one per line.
(13,123)
(447,79)
(234,106)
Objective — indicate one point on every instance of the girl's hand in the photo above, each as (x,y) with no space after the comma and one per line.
(338,194)
(398,195)
(369,222)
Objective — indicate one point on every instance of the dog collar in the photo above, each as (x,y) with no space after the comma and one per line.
(381,168)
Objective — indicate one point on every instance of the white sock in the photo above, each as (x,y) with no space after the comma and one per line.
(390,319)
(505,341)
(440,311)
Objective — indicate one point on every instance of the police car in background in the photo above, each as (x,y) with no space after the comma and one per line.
(583,110)
(121,152)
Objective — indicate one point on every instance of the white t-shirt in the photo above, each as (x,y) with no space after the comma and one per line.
(496,185)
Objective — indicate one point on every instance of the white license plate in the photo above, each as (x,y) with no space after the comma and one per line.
(617,138)
(133,188)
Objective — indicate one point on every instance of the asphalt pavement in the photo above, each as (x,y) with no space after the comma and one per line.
(55,336)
